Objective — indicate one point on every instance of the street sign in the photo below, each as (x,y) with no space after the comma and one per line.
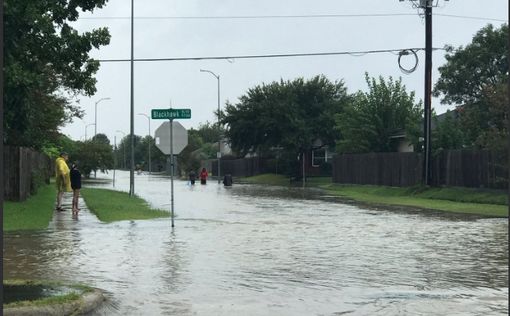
(180,137)
(170,114)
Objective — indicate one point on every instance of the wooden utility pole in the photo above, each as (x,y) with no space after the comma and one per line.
(427,5)
(428,94)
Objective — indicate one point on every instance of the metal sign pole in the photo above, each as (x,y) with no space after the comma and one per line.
(172,167)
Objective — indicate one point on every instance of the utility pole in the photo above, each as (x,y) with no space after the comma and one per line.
(2,132)
(508,118)
(132,116)
(427,174)
(427,5)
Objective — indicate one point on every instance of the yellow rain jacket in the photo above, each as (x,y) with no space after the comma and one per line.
(62,175)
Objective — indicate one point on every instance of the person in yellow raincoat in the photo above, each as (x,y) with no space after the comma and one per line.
(63,179)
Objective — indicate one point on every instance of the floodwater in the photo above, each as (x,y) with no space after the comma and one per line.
(262,250)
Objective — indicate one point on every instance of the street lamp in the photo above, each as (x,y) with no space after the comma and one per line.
(150,139)
(219,131)
(95,114)
(124,147)
(86,129)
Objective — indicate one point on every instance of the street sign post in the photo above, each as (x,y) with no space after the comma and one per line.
(165,138)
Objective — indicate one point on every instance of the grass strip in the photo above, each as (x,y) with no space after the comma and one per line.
(270,179)
(34,213)
(54,300)
(394,196)
(483,202)
(110,205)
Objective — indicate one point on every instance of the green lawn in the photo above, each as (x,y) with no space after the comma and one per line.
(430,200)
(271,179)
(34,213)
(110,206)
(458,200)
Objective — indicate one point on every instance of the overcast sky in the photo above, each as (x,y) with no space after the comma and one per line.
(172,33)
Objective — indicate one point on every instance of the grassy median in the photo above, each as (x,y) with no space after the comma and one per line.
(34,213)
(110,206)
(483,202)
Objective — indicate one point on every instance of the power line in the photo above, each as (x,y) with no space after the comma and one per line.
(232,17)
(353,53)
(303,16)
(469,17)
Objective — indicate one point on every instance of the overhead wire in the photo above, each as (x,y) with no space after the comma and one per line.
(406,52)
(233,17)
(469,17)
(302,16)
(234,57)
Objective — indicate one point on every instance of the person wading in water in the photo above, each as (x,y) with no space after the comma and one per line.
(203,176)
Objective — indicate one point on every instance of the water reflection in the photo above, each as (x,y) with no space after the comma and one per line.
(259,250)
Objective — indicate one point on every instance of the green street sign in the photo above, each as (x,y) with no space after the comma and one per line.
(170,114)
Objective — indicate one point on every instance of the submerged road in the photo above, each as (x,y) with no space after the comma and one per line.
(261,250)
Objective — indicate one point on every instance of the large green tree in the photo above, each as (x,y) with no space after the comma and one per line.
(94,154)
(447,133)
(46,65)
(291,115)
(123,152)
(471,76)
(375,116)
(190,158)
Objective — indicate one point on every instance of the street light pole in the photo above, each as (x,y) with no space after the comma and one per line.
(219,130)
(114,157)
(95,114)
(86,129)
(124,148)
(150,140)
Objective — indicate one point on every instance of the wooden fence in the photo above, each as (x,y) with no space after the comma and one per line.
(393,169)
(244,167)
(467,168)
(470,168)
(24,170)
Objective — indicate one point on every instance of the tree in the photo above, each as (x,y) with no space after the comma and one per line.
(447,133)
(61,144)
(287,114)
(124,147)
(468,76)
(190,158)
(46,64)
(373,117)
(93,154)
(495,136)
(142,154)
(209,133)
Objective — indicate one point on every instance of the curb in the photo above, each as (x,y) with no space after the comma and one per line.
(85,304)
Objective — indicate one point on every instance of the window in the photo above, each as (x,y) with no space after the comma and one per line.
(320,156)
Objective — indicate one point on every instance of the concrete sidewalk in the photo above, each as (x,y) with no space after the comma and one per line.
(65,219)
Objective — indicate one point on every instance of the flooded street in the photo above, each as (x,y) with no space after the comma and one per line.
(261,250)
